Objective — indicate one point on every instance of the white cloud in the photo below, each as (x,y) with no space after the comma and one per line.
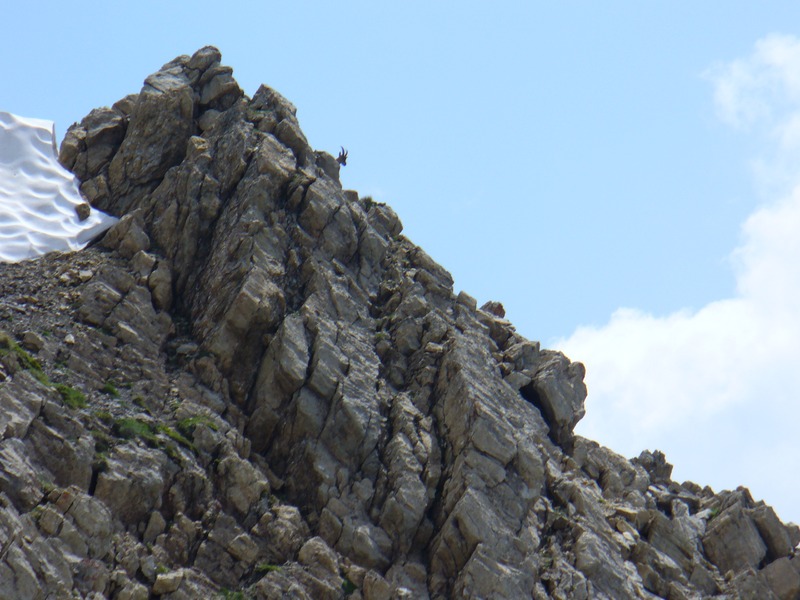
(760,87)
(717,389)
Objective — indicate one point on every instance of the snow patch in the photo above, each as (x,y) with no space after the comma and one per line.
(39,197)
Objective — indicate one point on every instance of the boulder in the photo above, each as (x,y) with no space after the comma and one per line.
(732,541)
(558,391)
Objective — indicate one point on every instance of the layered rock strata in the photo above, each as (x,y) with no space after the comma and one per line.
(255,386)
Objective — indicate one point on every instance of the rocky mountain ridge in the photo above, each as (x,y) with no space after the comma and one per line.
(255,386)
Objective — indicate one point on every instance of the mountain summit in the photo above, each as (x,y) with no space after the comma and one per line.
(254,386)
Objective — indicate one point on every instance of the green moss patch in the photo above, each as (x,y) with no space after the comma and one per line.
(109,389)
(71,397)
(129,428)
(154,435)
(174,435)
(267,568)
(25,360)
(188,425)
(348,587)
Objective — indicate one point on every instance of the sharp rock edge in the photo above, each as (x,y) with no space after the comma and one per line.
(255,386)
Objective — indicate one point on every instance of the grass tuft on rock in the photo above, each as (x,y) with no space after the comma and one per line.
(10,347)
(348,587)
(129,428)
(154,435)
(189,424)
(174,435)
(267,568)
(109,389)
(70,396)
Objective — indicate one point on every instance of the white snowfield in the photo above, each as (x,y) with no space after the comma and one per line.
(38,196)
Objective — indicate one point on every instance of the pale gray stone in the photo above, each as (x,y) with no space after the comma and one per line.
(132,483)
(160,284)
(155,527)
(133,591)
(32,341)
(167,582)
(18,476)
(318,556)
(242,483)
(243,548)
(20,404)
(774,533)
(558,390)
(732,541)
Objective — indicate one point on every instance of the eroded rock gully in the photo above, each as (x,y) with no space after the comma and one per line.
(255,386)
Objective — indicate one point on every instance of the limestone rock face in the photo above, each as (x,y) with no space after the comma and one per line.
(254,383)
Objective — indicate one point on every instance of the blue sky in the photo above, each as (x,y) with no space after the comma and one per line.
(567,159)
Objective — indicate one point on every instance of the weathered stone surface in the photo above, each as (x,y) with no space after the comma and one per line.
(656,465)
(83,210)
(69,459)
(131,484)
(167,582)
(495,308)
(17,475)
(32,341)
(732,541)
(558,389)
(127,237)
(284,531)
(160,284)
(19,406)
(241,483)
(783,579)
(133,591)
(87,149)
(774,533)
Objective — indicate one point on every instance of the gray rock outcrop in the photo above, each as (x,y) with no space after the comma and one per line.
(255,384)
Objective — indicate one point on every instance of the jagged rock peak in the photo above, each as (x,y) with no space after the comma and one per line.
(255,383)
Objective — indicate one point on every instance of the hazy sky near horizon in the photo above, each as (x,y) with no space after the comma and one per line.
(620,175)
